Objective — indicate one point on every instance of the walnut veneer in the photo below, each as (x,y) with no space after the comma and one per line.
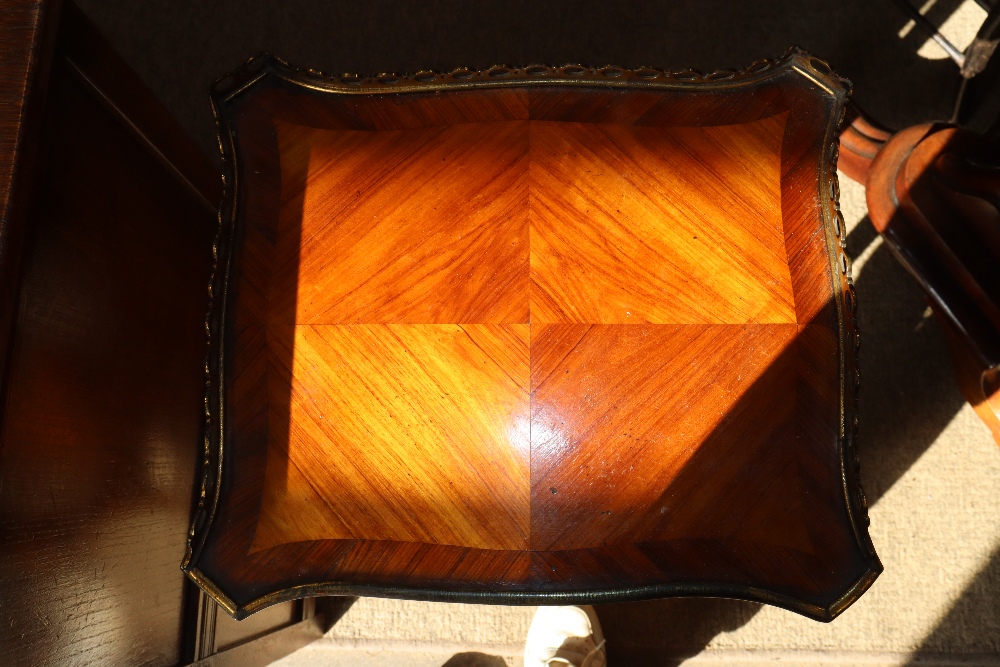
(532,335)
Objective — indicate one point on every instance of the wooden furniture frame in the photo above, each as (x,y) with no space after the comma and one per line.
(788,448)
(933,193)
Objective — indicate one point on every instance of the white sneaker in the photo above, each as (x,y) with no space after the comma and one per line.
(565,637)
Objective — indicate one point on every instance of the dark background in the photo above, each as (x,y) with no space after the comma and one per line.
(179,47)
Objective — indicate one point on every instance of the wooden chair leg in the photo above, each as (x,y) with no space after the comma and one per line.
(978,382)
(860,142)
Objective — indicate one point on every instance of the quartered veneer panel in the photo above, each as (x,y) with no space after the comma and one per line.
(532,336)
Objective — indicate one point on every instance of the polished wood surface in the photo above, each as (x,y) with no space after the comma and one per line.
(358,199)
(933,193)
(602,251)
(622,216)
(411,444)
(512,342)
(611,436)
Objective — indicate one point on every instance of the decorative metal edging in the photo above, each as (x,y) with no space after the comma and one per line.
(610,76)
(850,342)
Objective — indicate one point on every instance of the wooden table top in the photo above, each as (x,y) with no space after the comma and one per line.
(532,335)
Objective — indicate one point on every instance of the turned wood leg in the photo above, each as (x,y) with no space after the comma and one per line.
(978,382)
(860,142)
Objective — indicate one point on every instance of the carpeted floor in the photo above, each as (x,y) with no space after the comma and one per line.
(931,470)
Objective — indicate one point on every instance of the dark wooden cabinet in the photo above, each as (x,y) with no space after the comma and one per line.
(109,213)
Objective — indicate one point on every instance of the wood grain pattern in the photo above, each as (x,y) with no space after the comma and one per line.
(403,420)
(512,342)
(657,225)
(382,219)
(610,435)
(619,217)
